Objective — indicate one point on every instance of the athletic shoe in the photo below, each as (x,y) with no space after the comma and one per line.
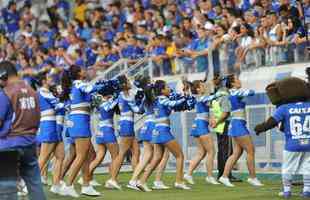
(69,191)
(21,194)
(89,191)
(159,185)
(143,187)
(226,182)
(113,185)
(62,183)
(94,183)
(56,189)
(285,195)
(255,182)
(189,179)
(182,186)
(22,188)
(133,185)
(210,179)
(305,195)
(44,180)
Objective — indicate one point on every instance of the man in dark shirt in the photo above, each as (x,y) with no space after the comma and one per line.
(20,117)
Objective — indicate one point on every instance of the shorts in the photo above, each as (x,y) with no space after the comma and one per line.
(200,128)
(126,129)
(48,132)
(70,140)
(296,163)
(162,135)
(237,128)
(79,126)
(106,136)
(146,132)
(59,128)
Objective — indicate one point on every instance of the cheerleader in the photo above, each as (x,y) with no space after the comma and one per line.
(105,139)
(50,139)
(128,107)
(239,132)
(162,136)
(70,158)
(145,137)
(79,92)
(201,133)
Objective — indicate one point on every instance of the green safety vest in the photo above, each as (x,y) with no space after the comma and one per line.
(217,113)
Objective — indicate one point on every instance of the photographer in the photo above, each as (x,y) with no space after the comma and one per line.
(18,130)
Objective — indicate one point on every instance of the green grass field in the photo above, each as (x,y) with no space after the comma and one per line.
(199,191)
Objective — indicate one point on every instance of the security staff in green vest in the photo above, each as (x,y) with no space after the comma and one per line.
(220,111)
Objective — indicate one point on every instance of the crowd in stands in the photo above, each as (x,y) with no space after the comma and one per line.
(177,35)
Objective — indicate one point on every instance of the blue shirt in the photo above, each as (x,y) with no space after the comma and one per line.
(295,118)
(160,50)
(91,57)
(200,44)
(307,14)
(48,37)
(11,20)
(6,116)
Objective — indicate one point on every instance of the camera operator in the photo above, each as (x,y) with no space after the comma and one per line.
(19,121)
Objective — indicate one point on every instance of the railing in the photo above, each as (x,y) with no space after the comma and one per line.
(223,60)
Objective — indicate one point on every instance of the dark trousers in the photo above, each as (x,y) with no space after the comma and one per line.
(29,171)
(224,145)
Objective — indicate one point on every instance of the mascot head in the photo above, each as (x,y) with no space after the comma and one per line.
(288,90)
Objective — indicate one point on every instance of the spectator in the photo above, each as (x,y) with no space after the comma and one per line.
(274,40)
(245,40)
(220,43)
(79,11)
(11,19)
(21,136)
(138,22)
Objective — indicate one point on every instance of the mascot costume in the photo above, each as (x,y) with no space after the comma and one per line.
(291,97)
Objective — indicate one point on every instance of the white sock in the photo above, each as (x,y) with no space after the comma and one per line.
(286,189)
(306,183)
(287,182)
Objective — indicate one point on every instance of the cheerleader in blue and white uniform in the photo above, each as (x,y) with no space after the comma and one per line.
(162,136)
(201,133)
(105,138)
(50,139)
(128,107)
(79,91)
(239,132)
(145,137)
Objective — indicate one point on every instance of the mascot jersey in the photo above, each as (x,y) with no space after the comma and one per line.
(296,122)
